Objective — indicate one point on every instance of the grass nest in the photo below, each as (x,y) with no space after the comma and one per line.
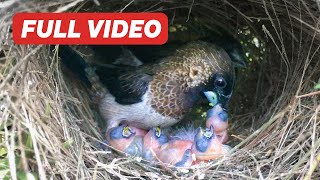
(48,123)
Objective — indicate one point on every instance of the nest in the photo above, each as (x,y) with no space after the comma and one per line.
(48,125)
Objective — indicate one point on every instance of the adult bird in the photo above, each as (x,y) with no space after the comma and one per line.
(162,93)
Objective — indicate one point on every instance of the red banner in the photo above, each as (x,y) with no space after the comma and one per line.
(90,28)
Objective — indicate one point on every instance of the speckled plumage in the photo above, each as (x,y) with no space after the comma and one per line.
(162,93)
(175,81)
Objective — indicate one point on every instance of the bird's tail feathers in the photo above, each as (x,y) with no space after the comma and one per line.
(74,62)
(81,68)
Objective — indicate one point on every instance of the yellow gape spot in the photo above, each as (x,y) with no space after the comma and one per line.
(158,131)
(126,132)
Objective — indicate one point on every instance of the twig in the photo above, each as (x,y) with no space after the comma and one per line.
(9,140)
(6,3)
(126,6)
(263,127)
(17,66)
(190,11)
(65,8)
(314,165)
(37,155)
(301,161)
(231,5)
(309,94)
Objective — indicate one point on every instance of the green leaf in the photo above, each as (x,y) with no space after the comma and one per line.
(48,109)
(3,151)
(4,164)
(317,86)
(68,143)
(26,175)
(172,29)
(29,142)
(22,175)
(4,173)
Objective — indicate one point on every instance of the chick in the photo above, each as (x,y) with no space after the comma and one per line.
(126,139)
(176,153)
(218,119)
(206,146)
(152,142)
(184,151)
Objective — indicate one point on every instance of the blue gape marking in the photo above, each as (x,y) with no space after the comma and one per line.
(163,139)
(223,116)
(116,133)
(210,113)
(202,144)
(160,137)
(120,132)
(186,156)
(203,139)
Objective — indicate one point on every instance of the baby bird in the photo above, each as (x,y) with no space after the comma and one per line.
(128,140)
(176,153)
(206,146)
(183,152)
(179,150)
(218,119)
(152,142)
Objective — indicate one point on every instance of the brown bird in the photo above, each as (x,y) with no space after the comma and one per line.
(160,94)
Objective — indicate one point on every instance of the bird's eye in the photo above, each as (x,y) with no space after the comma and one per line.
(220,82)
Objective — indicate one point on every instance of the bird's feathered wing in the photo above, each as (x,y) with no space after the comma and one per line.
(127,85)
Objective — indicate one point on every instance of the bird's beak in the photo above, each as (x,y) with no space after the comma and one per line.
(212,97)
(127,132)
(203,138)
(215,98)
(161,138)
(122,131)
(157,131)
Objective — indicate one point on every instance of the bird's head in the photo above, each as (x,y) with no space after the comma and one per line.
(195,71)
(203,139)
(207,70)
(206,146)
(127,139)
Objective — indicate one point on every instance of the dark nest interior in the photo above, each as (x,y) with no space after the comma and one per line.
(49,124)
